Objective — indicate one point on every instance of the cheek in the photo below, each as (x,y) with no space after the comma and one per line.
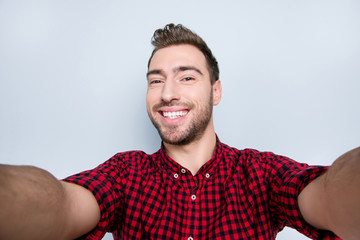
(200,96)
(150,99)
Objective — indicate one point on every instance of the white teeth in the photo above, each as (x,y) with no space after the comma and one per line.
(173,115)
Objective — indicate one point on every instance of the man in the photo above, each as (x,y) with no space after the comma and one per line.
(194,187)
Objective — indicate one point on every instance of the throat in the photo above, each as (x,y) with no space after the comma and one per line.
(193,155)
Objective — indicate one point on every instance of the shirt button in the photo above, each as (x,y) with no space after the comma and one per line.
(176,175)
(207,175)
(190,238)
(183,170)
(193,197)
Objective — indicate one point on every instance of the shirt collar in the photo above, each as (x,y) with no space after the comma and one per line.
(169,164)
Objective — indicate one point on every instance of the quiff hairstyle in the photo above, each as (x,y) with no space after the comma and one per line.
(173,34)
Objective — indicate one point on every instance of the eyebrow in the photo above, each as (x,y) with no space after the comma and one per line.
(176,70)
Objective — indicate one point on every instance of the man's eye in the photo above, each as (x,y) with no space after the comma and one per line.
(155,82)
(188,79)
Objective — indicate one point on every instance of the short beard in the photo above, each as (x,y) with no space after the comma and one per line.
(194,132)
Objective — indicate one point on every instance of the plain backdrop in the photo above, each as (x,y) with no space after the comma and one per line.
(73,83)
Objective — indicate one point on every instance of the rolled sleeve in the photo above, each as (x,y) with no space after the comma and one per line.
(290,178)
(104,182)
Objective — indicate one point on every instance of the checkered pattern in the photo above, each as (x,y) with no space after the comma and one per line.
(236,195)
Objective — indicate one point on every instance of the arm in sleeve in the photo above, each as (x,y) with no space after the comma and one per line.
(105,182)
(287,179)
(332,200)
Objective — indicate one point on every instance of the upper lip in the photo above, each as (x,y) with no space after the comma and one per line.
(172,109)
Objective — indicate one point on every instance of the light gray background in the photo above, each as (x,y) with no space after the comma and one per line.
(72,78)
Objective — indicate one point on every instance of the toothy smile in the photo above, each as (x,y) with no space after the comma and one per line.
(173,115)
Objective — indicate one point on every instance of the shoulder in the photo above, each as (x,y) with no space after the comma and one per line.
(129,157)
(129,160)
(263,164)
(249,155)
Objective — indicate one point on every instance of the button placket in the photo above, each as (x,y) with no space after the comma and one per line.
(194,199)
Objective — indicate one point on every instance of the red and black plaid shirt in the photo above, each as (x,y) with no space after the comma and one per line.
(236,195)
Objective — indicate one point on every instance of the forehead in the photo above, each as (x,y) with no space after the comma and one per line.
(178,55)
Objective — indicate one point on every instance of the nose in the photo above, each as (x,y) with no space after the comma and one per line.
(170,91)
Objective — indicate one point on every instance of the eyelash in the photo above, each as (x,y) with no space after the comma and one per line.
(154,82)
(188,78)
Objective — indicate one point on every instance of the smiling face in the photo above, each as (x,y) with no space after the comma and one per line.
(180,96)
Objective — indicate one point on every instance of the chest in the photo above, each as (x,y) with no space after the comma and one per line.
(206,206)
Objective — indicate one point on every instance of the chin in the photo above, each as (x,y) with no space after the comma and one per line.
(181,139)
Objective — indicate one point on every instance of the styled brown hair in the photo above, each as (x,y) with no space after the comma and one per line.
(173,34)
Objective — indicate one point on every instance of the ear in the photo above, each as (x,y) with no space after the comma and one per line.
(217,90)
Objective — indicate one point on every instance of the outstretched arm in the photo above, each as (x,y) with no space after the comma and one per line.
(35,205)
(332,201)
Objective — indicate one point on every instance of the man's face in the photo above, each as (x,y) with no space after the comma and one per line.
(180,96)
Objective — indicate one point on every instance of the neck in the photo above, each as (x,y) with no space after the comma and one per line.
(195,154)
